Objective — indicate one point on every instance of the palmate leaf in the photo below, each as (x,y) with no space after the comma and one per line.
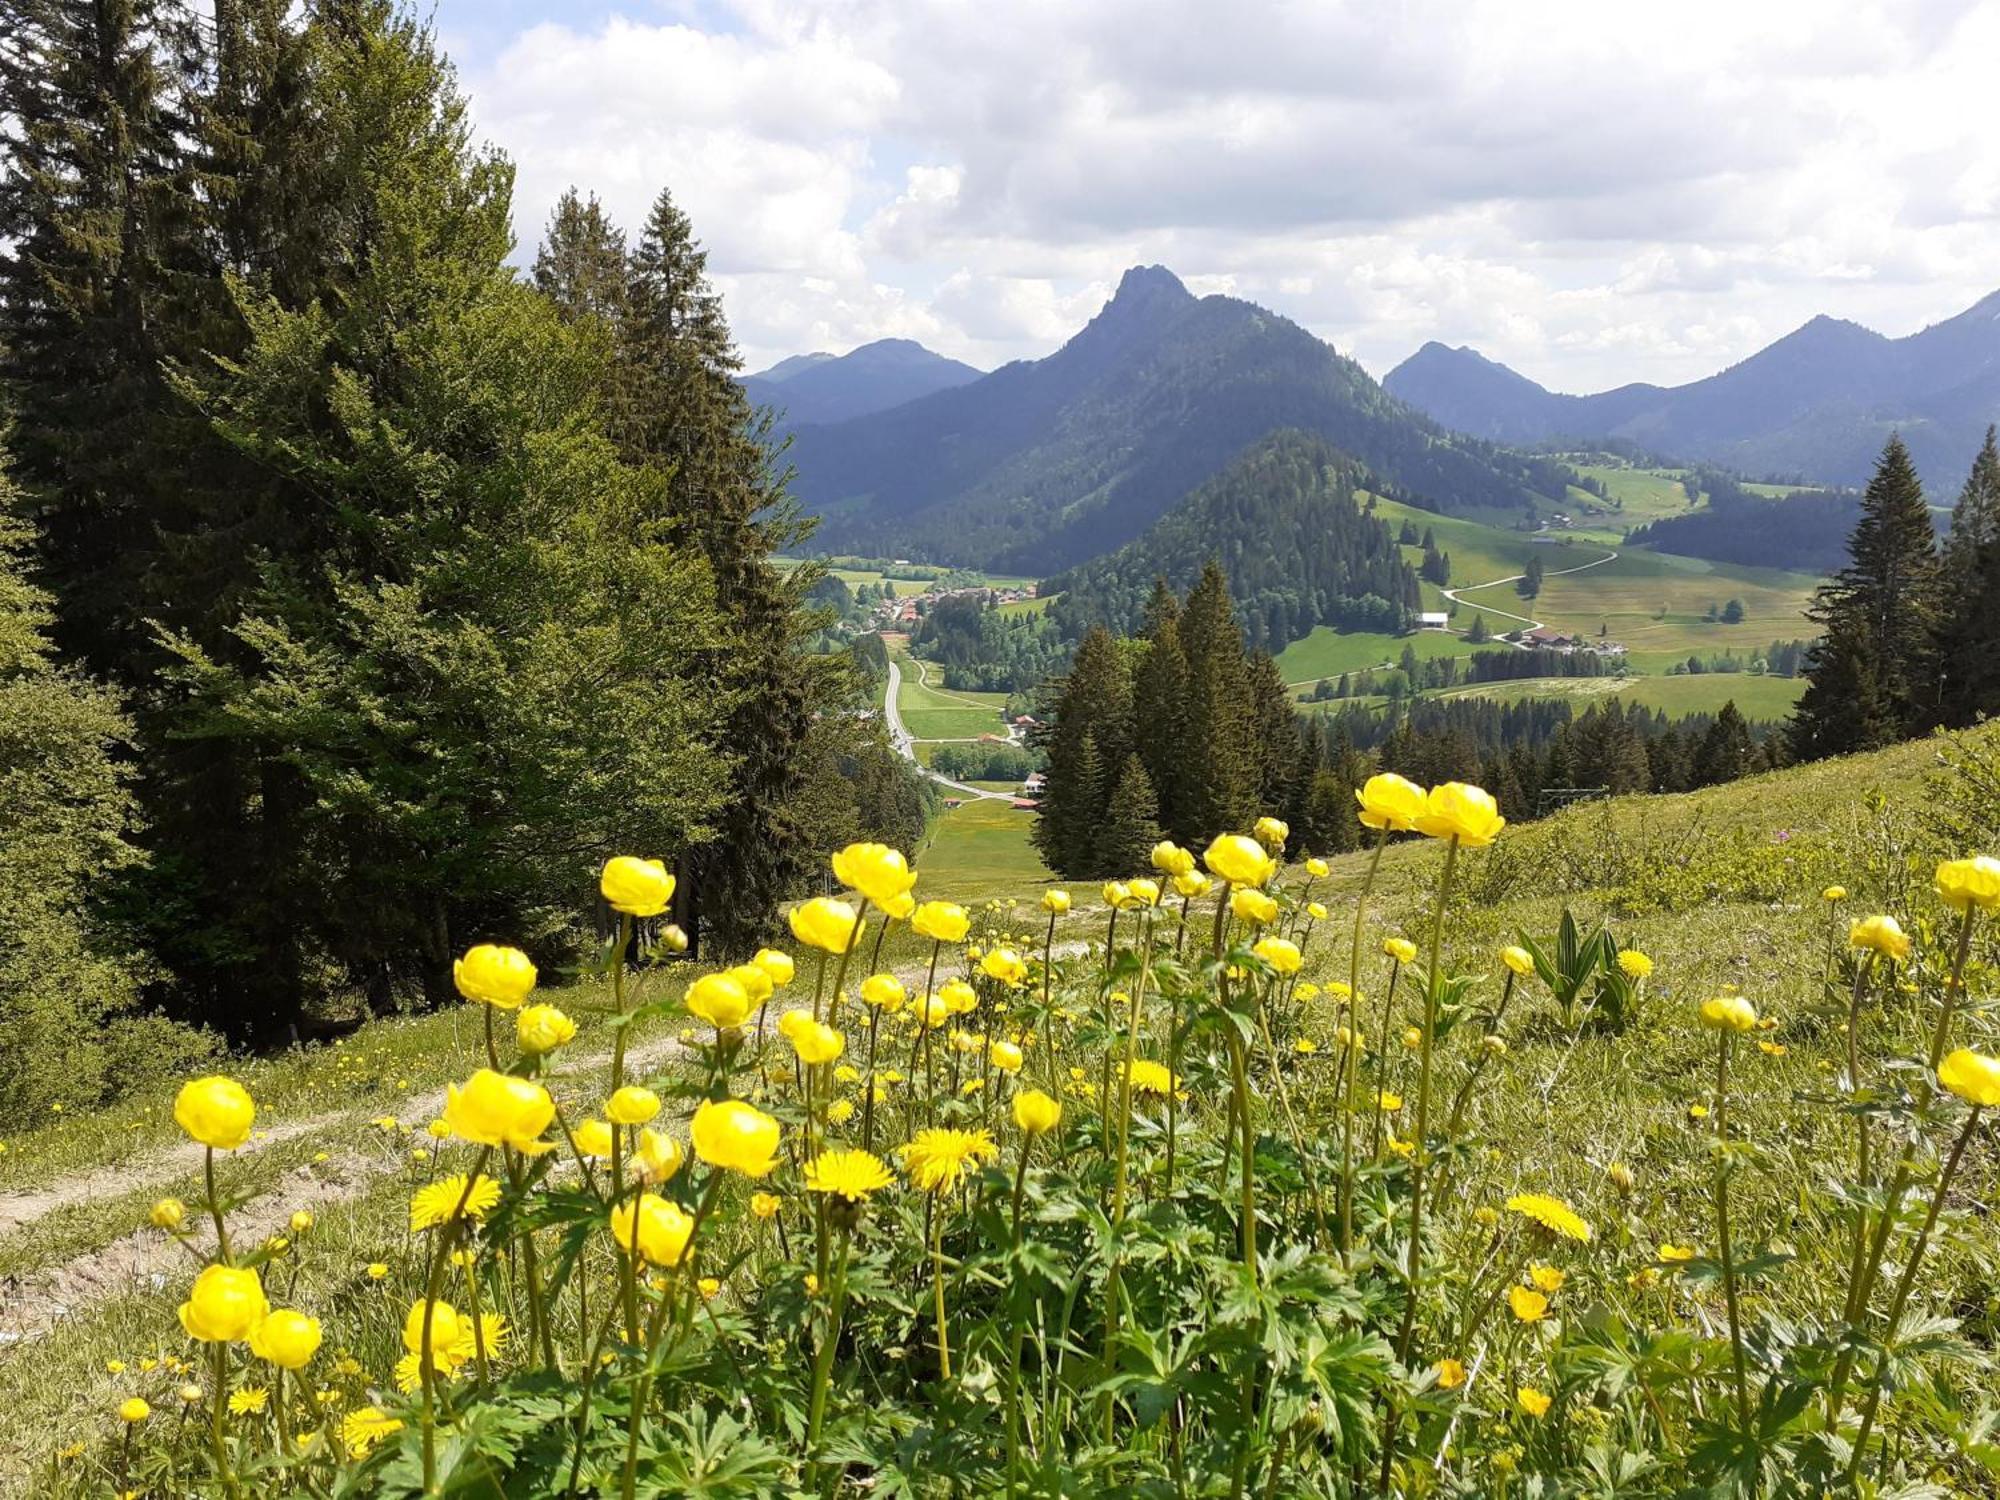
(696,1454)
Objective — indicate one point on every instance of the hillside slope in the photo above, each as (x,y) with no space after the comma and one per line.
(834,388)
(1818,403)
(1046,463)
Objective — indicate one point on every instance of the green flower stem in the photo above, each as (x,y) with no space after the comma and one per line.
(1017,1331)
(1382,1055)
(1421,1156)
(1903,1286)
(1292,1120)
(1048,1019)
(846,953)
(1722,1229)
(1118,1181)
(823,1359)
(1348,1058)
(868,1101)
(215,1206)
(218,1355)
(937,1290)
(441,1248)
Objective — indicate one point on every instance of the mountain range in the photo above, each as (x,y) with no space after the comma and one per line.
(835,387)
(1817,405)
(1046,463)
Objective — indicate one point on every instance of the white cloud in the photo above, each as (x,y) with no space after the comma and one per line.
(1592,193)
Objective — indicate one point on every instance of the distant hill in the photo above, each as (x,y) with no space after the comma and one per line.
(1046,463)
(1285,520)
(837,387)
(1816,405)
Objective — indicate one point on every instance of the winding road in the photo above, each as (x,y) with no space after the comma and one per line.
(1493,583)
(899,737)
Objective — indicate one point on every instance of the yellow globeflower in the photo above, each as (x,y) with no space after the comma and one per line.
(959,997)
(1729,1013)
(1528,1305)
(1316,910)
(225,1303)
(1880,934)
(1190,885)
(1005,965)
(1400,949)
(631,1105)
(1975,1078)
(286,1338)
(1634,964)
(446,1331)
(167,1214)
(1317,867)
(1006,1056)
(777,966)
(593,1139)
(1272,832)
(826,924)
(1963,884)
(636,887)
(736,1137)
(764,1205)
(663,1229)
(1055,902)
(793,1021)
(493,975)
(877,871)
(849,1175)
(885,992)
(543,1028)
(1280,953)
(755,979)
(1116,894)
(497,1109)
(941,921)
(1520,960)
(1035,1113)
(133,1410)
(1239,860)
(1459,811)
(216,1111)
(900,908)
(818,1043)
(720,1000)
(1390,802)
(1253,906)
(1170,859)
(1834,893)
(1141,893)
(657,1156)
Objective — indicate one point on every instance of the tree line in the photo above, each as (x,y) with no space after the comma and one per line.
(369,592)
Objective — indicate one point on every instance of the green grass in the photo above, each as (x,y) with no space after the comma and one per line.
(980,851)
(1036,606)
(1328,652)
(934,713)
(1768,698)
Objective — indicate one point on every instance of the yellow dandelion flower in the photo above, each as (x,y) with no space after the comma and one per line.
(438,1202)
(1552,1214)
(249,1399)
(851,1175)
(938,1159)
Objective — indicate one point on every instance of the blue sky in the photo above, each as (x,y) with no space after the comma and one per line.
(1593,193)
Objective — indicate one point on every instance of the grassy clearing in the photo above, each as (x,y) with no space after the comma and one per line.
(1769,698)
(1328,652)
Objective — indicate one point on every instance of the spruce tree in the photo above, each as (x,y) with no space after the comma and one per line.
(1968,623)
(581,265)
(1089,719)
(1872,677)
(1221,771)
(1129,830)
(1159,702)
(1725,752)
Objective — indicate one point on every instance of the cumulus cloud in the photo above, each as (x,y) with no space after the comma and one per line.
(1591,193)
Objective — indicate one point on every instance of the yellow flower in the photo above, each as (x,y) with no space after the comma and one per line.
(778,967)
(959,997)
(1054,902)
(286,1339)
(1546,1279)
(1533,1402)
(1141,893)
(1115,894)
(1239,860)
(631,1105)
(720,1000)
(543,1028)
(168,1214)
(1413,1037)
(1676,1253)
(1520,960)
(1529,1306)
(657,1156)
(593,1139)
(941,921)
(1729,1013)
(1190,885)
(1698,1111)
(663,1228)
(709,1287)
(1305,1046)
(377,1270)
(736,1137)
(249,1399)
(1620,1176)
(1253,906)
(1149,1077)
(1552,1214)
(1170,859)
(636,887)
(497,1109)
(842,1110)
(133,1410)
(1459,811)
(938,1159)
(817,1044)
(1834,893)
(1006,1056)
(1399,948)
(1272,832)
(1390,802)
(1634,963)
(885,992)
(438,1202)
(877,871)
(1963,884)
(1882,934)
(1451,1375)
(764,1205)
(1772,1049)
(1972,1076)
(1005,965)
(1035,1113)
(1316,910)
(1643,1279)
(900,908)
(851,1175)
(826,924)
(1317,868)
(1388,1101)
(216,1111)
(1280,953)
(364,1427)
(1401,1148)
(493,975)
(225,1303)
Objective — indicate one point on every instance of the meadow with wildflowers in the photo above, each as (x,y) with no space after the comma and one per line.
(1389,1175)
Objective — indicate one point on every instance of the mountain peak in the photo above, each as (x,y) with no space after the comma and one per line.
(1149,284)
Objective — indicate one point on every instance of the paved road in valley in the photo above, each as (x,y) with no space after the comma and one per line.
(906,747)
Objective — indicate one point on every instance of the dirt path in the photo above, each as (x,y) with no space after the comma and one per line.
(1494,583)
